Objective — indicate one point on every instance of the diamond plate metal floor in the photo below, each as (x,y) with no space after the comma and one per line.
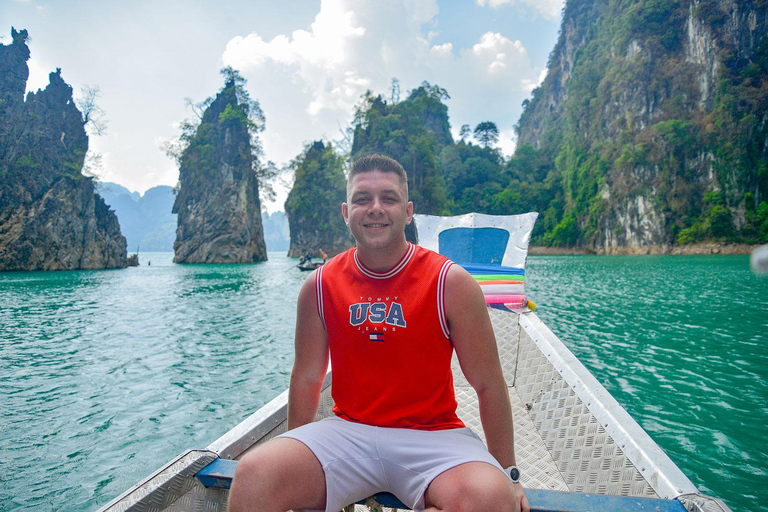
(560,445)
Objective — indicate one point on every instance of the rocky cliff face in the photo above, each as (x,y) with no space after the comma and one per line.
(50,216)
(655,113)
(313,206)
(219,213)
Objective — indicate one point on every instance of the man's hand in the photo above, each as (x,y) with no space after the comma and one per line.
(520,499)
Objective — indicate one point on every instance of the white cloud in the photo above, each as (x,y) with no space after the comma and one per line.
(487,82)
(549,9)
(309,82)
(325,46)
(530,85)
(421,11)
(442,50)
(496,50)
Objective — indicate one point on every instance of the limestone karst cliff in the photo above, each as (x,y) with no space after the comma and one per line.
(219,213)
(313,206)
(651,127)
(50,216)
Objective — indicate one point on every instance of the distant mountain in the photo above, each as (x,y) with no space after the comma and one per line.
(146,221)
(148,224)
(277,234)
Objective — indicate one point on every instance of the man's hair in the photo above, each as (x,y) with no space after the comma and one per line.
(379,163)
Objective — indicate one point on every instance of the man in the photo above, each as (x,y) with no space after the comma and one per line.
(388,314)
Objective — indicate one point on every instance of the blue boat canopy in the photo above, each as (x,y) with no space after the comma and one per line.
(493,248)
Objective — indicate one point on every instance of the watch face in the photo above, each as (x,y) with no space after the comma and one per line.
(514,474)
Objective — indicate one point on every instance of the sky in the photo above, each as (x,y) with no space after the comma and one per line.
(306,62)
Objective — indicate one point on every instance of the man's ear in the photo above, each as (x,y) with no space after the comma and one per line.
(409,212)
(345,213)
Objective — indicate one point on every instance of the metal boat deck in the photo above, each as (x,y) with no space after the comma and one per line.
(570,434)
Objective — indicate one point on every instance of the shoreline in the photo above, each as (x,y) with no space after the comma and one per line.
(684,250)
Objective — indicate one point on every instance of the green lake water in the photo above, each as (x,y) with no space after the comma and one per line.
(107,375)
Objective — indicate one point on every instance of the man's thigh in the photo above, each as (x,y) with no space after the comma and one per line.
(281,474)
(414,459)
(349,458)
(478,485)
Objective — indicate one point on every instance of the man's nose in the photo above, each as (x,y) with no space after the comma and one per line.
(376,206)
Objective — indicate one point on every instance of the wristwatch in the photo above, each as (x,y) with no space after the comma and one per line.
(513,473)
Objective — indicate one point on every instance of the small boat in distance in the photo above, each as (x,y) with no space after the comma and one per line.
(309,265)
(577,448)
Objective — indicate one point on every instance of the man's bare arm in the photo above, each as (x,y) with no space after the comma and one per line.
(475,345)
(311,358)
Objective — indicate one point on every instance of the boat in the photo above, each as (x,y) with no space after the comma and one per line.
(309,265)
(576,446)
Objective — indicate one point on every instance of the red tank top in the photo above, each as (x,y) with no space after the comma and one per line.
(389,341)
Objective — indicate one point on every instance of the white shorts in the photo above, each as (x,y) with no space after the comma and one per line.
(361,460)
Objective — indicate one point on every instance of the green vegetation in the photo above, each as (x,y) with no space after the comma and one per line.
(629,128)
(473,176)
(313,206)
(638,122)
(412,132)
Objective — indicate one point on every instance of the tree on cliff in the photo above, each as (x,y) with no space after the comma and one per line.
(412,132)
(313,206)
(219,213)
(487,133)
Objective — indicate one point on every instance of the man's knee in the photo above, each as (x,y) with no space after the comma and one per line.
(252,470)
(481,488)
(480,496)
(278,475)
(251,484)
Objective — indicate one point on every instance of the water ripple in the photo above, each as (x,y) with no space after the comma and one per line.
(112,373)
(680,342)
(107,375)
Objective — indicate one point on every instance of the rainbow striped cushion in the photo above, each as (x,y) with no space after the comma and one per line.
(500,285)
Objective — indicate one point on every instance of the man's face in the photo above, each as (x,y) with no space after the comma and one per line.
(377,210)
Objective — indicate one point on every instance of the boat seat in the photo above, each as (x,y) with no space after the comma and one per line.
(219,473)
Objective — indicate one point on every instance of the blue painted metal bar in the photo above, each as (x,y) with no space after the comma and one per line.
(220,472)
(557,501)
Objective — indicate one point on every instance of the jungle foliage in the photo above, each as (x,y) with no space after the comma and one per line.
(632,123)
(635,122)
(314,203)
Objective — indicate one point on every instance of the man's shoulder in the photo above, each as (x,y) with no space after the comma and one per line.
(428,252)
(429,256)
